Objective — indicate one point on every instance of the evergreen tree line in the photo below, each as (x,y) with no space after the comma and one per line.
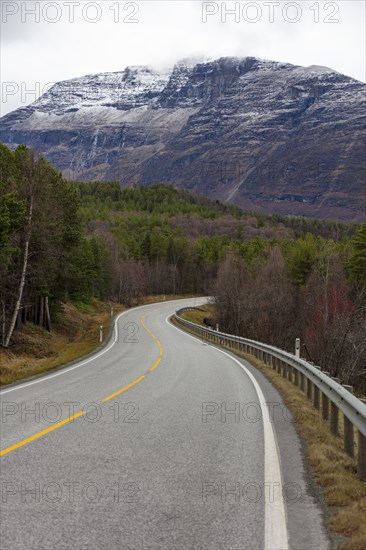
(46,257)
(274,278)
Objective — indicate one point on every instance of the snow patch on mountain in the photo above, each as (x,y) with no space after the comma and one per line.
(129,89)
(251,130)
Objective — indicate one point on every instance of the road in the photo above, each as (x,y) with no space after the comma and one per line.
(159,441)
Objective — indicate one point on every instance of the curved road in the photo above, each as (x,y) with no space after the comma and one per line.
(159,441)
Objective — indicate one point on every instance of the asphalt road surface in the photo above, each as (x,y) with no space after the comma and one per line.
(159,441)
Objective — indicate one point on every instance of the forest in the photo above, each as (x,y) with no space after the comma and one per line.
(272,278)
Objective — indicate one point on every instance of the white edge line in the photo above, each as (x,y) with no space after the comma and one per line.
(275,530)
(66,370)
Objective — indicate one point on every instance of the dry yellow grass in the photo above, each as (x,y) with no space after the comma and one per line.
(197,315)
(165,298)
(75,335)
(333,469)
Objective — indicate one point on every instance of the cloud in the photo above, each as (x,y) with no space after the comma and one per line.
(49,41)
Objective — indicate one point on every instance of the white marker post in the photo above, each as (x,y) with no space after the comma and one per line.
(101,333)
(297,347)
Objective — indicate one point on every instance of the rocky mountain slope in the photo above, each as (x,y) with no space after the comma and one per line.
(262,134)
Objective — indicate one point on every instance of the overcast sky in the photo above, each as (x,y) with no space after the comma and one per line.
(48,41)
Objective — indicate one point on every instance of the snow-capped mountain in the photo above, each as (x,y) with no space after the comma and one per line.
(263,134)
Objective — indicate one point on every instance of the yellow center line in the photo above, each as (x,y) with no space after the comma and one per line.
(156,340)
(124,389)
(81,413)
(155,364)
(40,434)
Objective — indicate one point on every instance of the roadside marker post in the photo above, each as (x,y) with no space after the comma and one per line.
(297,347)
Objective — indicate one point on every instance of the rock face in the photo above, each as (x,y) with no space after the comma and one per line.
(265,135)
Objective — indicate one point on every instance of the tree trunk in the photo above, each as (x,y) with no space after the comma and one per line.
(40,316)
(3,324)
(23,274)
(47,315)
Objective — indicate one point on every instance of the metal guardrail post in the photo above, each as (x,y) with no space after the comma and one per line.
(279,365)
(325,403)
(334,397)
(325,407)
(289,373)
(334,418)
(349,444)
(361,459)
(316,394)
(334,414)
(309,388)
(284,369)
(316,397)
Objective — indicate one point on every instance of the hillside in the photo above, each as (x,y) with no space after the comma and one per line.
(261,134)
(64,242)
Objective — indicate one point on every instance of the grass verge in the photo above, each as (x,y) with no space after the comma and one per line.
(332,468)
(197,315)
(75,334)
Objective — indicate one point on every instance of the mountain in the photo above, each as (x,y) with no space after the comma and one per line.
(262,134)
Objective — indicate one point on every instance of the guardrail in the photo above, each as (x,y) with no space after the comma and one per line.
(326,392)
